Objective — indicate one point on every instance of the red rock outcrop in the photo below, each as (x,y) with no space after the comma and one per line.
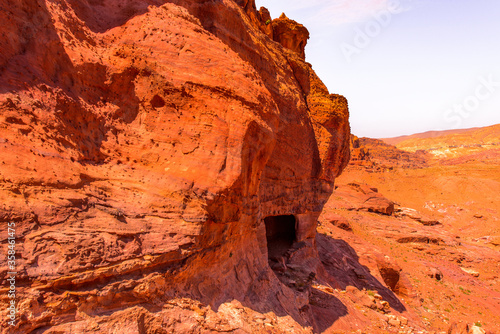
(357,196)
(290,34)
(375,154)
(143,145)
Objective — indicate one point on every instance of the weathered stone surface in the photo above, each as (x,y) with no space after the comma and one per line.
(476,330)
(382,154)
(143,143)
(358,196)
(335,220)
(471,272)
(395,278)
(290,34)
(435,273)
(415,215)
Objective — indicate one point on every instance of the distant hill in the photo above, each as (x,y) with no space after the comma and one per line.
(480,135)
(426,135)
(450,143)
(376,154)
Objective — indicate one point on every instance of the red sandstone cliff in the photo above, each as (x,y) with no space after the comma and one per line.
(143,144)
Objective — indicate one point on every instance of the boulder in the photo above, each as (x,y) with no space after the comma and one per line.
(290,34)
(471,272)
(435,273)
(358,196)
(335,220)
(476,330)
(415,215)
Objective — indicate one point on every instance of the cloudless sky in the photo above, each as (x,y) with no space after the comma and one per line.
(405,66)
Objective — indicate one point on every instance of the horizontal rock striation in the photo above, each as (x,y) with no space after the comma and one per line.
(143,143)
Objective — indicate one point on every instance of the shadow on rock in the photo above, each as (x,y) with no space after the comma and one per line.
(342,264)
(297,269)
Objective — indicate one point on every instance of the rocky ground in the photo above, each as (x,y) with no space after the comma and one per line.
(439,225)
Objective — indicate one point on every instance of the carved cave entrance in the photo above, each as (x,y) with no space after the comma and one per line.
(280,234)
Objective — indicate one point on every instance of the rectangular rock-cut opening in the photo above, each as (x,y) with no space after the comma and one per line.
(280,234)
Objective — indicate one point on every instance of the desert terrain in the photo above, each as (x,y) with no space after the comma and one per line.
(444,232)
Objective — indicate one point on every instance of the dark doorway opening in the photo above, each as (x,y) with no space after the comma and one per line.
(280,234)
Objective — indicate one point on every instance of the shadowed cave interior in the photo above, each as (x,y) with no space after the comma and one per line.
(280,234)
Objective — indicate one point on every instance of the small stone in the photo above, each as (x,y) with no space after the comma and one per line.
(476,330)
(435,273)
(351,289)
(394,322)
(471,272)
(495,241)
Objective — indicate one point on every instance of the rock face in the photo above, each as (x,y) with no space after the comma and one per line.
(290,34)
(143,145)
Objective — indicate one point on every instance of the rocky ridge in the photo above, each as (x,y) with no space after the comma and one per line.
(143,145)
(457,146)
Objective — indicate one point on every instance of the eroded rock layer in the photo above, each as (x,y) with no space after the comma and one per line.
(143,142)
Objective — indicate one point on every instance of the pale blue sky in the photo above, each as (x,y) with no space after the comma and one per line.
(422,65)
